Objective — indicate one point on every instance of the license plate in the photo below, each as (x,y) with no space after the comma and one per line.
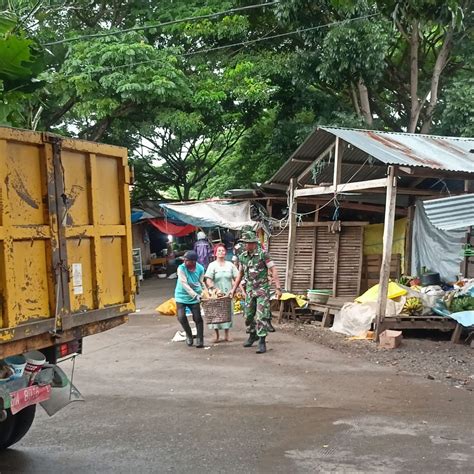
(28,396)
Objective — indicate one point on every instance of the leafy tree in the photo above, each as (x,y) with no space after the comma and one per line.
(187,146)
(22,61)
(393,75)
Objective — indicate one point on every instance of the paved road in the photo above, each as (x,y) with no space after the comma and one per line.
(157,406)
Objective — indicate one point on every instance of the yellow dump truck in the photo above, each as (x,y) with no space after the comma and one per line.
(65,264)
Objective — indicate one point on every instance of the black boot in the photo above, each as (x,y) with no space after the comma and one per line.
(189,341)
(200,334)
(199,342)
(262,346)
(252,338)
(270,326)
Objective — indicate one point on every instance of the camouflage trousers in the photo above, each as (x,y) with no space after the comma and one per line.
(257,311)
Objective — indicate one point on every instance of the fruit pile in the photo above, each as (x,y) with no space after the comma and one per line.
(413,306)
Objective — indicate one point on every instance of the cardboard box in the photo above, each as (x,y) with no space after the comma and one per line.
(390,339)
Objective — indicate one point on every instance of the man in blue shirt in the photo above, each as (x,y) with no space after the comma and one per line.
(188,291)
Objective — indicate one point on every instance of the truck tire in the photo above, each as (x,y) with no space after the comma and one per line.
(16,426)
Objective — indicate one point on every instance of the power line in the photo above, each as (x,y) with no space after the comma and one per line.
(160,25)
(280,35)
(243,43)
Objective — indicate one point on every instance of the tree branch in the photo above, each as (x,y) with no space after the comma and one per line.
(441,61)
(59,113)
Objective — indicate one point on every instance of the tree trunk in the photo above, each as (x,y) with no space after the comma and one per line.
(441,61)
(355,100)
(415,103)
(364,102)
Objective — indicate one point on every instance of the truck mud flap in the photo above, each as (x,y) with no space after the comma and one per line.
(62,393)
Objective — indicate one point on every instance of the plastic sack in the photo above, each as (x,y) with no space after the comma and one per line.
(371,295)
(355,319)
(168,308)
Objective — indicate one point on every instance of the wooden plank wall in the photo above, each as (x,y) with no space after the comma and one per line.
(320,256)
(277,248)
(350,262)
(303,262)
(371,269)
(325,258)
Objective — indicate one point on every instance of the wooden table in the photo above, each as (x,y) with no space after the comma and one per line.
(158,262)
(429,321)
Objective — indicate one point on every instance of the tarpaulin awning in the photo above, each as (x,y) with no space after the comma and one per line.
(235,215)
(139,214)
(172,229)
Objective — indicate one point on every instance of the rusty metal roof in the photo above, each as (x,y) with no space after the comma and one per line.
(411,149)
(403,149)
(455,212)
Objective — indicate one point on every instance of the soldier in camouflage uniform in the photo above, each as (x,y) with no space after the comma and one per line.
(255,266)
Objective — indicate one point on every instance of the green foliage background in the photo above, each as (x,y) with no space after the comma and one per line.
(210,104)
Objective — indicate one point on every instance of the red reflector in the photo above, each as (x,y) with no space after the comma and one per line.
(63,350)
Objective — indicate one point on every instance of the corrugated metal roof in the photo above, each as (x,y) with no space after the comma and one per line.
(403,149)
(411,149)
(455,212)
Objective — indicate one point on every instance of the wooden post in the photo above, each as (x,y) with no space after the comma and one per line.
(389,224)
(290,256)
(315,239)
(408,240)
(335,274)
(337,163)
(361,260)
(270,207)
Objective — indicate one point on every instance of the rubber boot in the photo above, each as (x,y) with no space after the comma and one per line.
(262,346)
(187,329)
(270,326)
(200,335)
(199,343)
(252,338)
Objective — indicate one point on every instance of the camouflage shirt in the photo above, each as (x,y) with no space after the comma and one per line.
(255,267)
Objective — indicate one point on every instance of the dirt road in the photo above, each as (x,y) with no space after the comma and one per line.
(157,406)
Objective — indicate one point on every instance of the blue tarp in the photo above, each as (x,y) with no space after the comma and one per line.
(136,216)
(466,318)
(210,214)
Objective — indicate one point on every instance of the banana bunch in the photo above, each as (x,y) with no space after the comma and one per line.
(237,306)
(413,306)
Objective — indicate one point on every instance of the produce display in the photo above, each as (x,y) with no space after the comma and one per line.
(462,303)
(444,299)
(413,306)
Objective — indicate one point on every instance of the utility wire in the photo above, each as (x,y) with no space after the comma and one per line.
(280,35)
(160,25)
(242,43)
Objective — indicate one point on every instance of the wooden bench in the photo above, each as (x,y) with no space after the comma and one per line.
(330,309)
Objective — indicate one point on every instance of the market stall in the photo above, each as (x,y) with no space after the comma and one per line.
(365,173)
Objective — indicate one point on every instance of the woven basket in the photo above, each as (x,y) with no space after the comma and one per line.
(217,310)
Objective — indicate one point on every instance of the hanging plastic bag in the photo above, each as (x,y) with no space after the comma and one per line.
(168,308)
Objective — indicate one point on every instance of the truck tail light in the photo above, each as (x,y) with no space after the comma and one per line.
(68,348)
